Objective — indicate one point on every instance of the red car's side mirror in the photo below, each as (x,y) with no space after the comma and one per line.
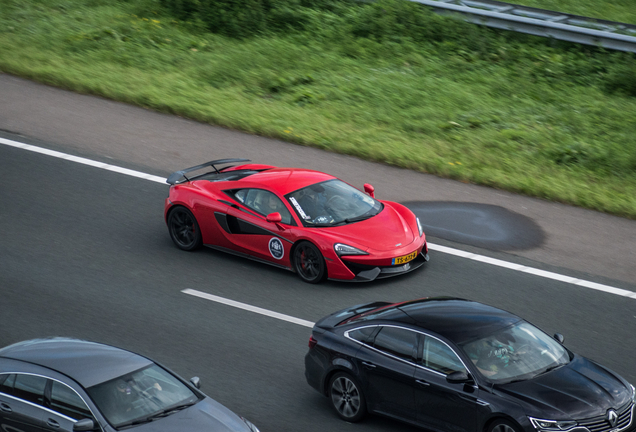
(369,189)
(274,217)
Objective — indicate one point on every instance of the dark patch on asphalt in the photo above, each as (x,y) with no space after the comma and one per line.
(482,225)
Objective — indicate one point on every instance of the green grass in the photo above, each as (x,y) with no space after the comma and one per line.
(514,112)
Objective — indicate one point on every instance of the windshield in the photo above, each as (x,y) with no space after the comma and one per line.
(516,353)
(136,396)
(332,203)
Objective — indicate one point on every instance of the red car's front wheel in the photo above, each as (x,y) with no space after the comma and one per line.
(309,263)
(184,229)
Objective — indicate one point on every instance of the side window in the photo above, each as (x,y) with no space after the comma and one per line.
(439,357)
(362,334)
(6,383)
(397,341)
(264,202)
(30,388)
(65,401)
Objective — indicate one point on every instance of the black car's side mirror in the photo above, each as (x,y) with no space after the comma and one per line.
(196,382)
(459,377)
(84,425)
(559,338)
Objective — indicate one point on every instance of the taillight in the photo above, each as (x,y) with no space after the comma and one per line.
(312,342)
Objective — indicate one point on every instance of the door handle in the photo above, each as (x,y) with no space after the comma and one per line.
(368,365)
(53,423)
(423,383)
(4,407)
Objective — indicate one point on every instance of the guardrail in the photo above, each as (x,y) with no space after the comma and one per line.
(539,22)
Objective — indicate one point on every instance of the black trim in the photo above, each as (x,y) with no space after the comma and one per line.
(244,255)
(233,225)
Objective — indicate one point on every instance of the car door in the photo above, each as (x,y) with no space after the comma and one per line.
(387,367)
(246,226)
(437,401)
(22,402)
(65,408)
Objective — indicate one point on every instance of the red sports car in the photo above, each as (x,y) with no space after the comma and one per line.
(305,221)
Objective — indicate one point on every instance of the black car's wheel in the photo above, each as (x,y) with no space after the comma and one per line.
(184,229)
(502,425)
(309,263)
(347,398)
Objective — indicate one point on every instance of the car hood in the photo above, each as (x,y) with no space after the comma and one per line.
(384,231)
(206,416)
(578,390)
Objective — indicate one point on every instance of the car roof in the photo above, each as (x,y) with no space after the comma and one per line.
(281,180)
(458,320)
(88,363)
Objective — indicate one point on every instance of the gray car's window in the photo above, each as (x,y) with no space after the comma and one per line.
(397,342)
(438,356)
(29,388)
(139,395)
(65,401)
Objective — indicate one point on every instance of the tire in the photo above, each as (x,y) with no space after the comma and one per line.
(347,398)
(501,425)
(184,229)
(309,263)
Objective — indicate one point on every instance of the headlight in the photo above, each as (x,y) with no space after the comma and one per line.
(343,249)
(250,425)
(419,226)
(552,425)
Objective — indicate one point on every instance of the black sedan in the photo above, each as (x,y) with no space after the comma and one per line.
(454,365)
(62,384)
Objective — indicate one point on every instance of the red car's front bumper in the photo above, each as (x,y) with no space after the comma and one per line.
(364,268)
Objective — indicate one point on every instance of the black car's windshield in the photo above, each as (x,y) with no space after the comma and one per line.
(332,203)
(140,396)
(516,353)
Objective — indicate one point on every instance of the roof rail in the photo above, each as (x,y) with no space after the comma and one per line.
(540,22)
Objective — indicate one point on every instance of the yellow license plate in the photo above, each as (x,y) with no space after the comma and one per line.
(404,259)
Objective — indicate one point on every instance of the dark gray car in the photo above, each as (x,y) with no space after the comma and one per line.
(62,384)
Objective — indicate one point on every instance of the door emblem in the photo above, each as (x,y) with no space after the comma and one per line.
(612,417)
(276,248)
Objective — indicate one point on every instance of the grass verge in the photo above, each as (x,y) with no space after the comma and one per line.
(514,112)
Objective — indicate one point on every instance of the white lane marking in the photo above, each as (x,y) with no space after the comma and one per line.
(438,248)
(534,271)
(247,307)
(83,161)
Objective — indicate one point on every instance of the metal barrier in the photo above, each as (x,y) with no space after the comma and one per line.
(539,22)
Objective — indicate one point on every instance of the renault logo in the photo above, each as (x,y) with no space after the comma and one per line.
(612,417)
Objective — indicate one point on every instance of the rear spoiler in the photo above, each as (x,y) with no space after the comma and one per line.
(337,317)
(176,176)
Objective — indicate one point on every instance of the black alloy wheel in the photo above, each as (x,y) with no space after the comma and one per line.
(502,425)
(184,229)
(309,263)
(347,398)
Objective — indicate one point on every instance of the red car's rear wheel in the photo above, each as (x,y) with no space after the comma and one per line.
(184,229)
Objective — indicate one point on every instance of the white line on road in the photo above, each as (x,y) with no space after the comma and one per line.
(247,307)
(438,248)
(83,161)
(533,271)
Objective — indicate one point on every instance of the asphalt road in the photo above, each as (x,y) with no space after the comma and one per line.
(85,252)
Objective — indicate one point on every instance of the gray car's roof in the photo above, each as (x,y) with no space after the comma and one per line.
(88,363)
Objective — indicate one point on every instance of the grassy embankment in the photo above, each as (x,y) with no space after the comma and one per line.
(384,82)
